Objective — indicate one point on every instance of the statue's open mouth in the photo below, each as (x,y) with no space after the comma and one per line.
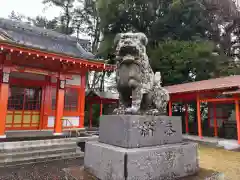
(128,50)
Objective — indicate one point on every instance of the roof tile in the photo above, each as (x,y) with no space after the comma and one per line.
(25,34)
(218,83)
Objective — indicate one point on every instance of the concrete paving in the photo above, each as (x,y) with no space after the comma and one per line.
(228,144)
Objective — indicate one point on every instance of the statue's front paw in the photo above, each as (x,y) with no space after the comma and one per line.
(132,110)
(153,112)
(119,110)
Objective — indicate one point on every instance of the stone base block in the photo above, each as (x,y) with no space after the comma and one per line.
(132,131)
(171,161)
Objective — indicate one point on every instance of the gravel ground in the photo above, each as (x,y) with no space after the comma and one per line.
(216,159)
(41,171)
(211,160)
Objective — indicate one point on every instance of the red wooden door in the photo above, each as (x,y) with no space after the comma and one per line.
(24,108)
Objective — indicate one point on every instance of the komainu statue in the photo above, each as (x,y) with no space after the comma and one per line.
(140,90)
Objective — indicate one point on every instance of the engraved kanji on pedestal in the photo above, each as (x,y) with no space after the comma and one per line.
(139,147)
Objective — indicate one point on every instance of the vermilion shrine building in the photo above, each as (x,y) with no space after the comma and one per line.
(101,98)
(221,96)
(43,77)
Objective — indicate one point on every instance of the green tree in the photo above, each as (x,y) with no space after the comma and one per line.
(185,36)
(43,22)
(186,61)
(16,16)
(86,20)
(65,19)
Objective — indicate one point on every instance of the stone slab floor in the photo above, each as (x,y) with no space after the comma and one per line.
(211,160)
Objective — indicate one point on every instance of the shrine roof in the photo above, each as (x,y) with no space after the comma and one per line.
(24,34)
(102,95)
(211,84)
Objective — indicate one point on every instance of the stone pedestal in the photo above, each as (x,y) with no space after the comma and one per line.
(135,147)
(159,162)
(130,131)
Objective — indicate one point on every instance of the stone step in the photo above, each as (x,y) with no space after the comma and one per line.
(18,144)
(41,159)
(11,156)
(36,147)
(13,153)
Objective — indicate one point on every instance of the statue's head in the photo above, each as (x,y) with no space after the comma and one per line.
(130,46)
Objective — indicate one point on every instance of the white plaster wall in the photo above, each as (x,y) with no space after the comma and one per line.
(73,119)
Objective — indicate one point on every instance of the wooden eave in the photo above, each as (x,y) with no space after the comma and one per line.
(94,65)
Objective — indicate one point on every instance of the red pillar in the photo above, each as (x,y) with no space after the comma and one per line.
(90,115)
(170,108)
(82,99)
(59,105)
(4,91)
(215,120)
(46,103)
(199,117)
(186,118)
(237,119)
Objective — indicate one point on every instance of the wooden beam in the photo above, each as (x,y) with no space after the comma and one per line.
(16,68)
(217,100)
(189,96)
(95,65)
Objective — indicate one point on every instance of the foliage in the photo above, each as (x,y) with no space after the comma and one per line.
(16,16)
(185,36)
(185,61)
(66,17)
(87,20)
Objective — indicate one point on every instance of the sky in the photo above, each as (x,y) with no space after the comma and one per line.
(31,8)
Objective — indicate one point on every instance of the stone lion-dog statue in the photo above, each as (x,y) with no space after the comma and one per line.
(140,90)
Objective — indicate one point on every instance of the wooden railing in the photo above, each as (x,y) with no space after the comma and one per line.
(71,128)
